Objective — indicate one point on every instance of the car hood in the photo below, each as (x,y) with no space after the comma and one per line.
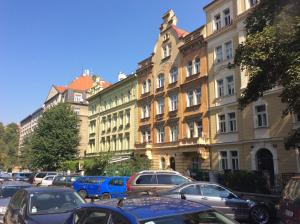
(4,202)
(59,218)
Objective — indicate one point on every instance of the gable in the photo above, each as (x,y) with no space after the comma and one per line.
(53,91)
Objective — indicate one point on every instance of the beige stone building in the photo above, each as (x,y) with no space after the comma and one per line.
(113,118)
(172,100)
(251,139)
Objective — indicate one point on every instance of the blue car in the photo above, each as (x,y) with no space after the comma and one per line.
(101,187)
(147,210)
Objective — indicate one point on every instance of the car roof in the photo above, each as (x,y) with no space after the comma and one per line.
(154,207)
(47,189)
(14,183)
(158,171)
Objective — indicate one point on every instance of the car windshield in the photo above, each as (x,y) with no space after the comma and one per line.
(53,202)
(9,191)
(194,218)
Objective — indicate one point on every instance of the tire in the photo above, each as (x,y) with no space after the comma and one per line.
(260,214)
(105,196)
(83,194)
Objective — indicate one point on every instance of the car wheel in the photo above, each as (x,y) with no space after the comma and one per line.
(106,196)
(260,215)
(82,193)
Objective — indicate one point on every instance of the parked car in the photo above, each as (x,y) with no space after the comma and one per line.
(39,177)
(289,205)
(47,180)
(27,177)
(101,187)
(5,177)
(7,190)
(42,205)
(151,180)
(147,210)
(223,200)
(65,180)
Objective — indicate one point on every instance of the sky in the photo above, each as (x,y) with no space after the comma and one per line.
(45,43)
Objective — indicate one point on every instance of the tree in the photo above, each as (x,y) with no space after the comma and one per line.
(25,152)
(56,138)
(271,55)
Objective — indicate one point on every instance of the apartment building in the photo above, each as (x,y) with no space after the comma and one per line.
(172,100)
(112,117)
(251,139)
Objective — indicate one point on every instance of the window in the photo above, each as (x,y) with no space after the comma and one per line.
(146,136)
(224,162)
(219,54)
(196,163)
(227,20)
(166,50)
(220,87)
(174,133)
(222,123)
(121,119)
(217,20)
(78,97)
(230,85)
(210,190)
(261,116)
(146,111)
(127,118)
(228,49)
(77,110)
(197,65)
(190,126)
(199,128)
(160,80)
(146,179)
(174,75)
(197,96)
(160,134)
(174,102)
(253,2)
(231,122)
(128,95)
(234,160)
(160,105)
(191,190)
(189,68)
(144,87)
(149,85)
(189,98)
(162,163)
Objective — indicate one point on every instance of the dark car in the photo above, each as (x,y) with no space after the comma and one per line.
(223,200)
(26,177)
(42,206)
(64,180)
(147,210)
(152,180)
(101,186)
(289,205)
(7,190)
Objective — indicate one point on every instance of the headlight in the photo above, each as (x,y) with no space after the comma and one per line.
(3,210)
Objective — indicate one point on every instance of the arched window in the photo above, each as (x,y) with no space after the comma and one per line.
(162,163)
(173,75)
(197,65)
(160,80)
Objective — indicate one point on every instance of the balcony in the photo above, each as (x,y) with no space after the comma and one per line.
(173,113)
(160,89)
(159,117)
(143,145)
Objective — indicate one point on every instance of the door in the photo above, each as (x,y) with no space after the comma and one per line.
(117,187)
(265,164)
(93,186)
(172,163)
(13,215)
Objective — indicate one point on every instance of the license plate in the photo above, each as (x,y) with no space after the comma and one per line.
(288,213)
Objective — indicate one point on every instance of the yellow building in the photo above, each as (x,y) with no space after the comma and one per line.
(112,117)
(251,139)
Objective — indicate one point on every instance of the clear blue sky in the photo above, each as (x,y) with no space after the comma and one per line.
(50,42)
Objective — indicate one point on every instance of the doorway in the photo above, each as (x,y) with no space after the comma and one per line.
(265,164)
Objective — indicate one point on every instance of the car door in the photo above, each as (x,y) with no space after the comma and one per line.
(117,187)
(145,182)
(12,215)
(221,199)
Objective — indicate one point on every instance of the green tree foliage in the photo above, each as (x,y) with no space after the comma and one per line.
(96,165)
(9,142)
(271,54)
(25,152)
(56,138)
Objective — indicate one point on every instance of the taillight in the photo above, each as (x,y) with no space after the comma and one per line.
(128,183)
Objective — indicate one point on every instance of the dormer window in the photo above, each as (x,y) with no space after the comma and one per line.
(217,20)
(227,19)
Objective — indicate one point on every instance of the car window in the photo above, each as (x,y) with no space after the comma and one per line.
(94,217)
(176,179)
(146,179)
(60,178)
(118,219)
(170,179)
(9,191)
(211,190)
(17,199)
(74,178)
(116,182)
(40,175)
(49,178)
(191,190)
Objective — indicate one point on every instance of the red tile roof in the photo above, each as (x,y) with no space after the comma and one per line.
(60,89)
(179,32)
(83,83)
(104,84)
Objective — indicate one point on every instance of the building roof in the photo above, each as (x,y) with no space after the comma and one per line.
(60,89)
(104,84)
(179,32)
(212,2)
(83,83)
